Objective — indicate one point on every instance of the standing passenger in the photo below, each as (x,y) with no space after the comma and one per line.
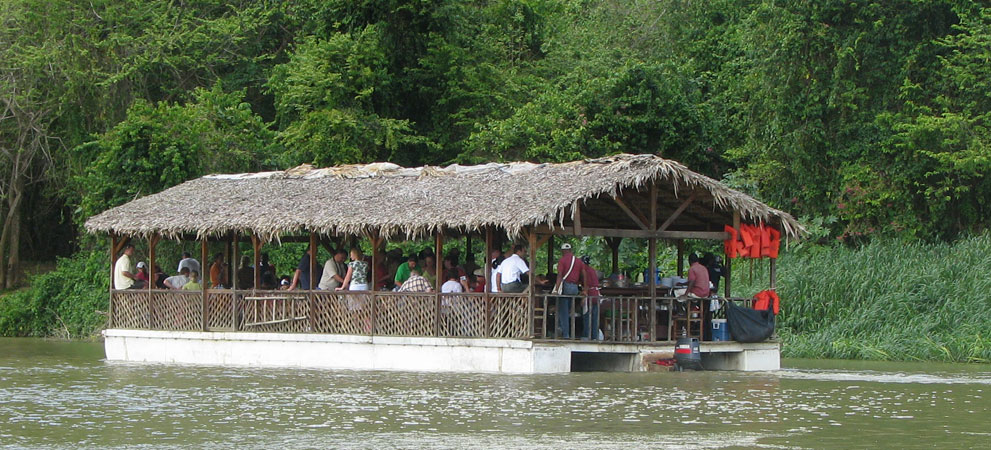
(218,272)
(571,271)
(188,262)
(357,276)
(333,272)
(245,274)
(590,307)
(698,278)
(301,278)
(124,277)
(509,277)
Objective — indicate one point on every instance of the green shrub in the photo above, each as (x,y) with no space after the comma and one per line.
(64,302)
(887,300)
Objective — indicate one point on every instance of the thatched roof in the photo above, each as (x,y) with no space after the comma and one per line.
(354,199)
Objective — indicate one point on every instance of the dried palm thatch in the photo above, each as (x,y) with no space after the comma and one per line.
(413,202)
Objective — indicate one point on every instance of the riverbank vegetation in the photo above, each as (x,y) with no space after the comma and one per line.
(870,119)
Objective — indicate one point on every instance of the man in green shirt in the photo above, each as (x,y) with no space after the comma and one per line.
(404,270)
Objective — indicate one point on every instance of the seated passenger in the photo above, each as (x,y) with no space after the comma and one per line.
(404,270)
(193,284)
(178,281)
(415,283)
(698,278)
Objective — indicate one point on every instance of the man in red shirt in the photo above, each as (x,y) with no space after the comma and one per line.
(570,270)
(698,277)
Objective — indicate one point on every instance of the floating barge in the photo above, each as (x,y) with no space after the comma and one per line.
(641,197)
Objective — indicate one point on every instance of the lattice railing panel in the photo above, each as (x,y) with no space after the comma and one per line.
(343,312)
(462,315)
(177,310)
(220,314)
(405,314)
(510,317)
(276,312)
(130,309)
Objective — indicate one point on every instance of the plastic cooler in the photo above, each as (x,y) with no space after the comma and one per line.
(720,330)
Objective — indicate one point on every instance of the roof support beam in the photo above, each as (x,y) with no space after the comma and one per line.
(635,215)
(677,212)
(642,234)
(578,219)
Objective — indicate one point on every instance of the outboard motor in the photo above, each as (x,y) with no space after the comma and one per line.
(686,353)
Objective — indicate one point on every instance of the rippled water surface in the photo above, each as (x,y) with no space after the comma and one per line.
(58,394)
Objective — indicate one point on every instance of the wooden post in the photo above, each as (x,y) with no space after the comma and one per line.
(229,252)
(310,300)
(374,238)
(468,253)
(439,279)
(203,299)
(110,290)
(680,244)
(233,265)
(614,246)
(652,287)
(152,243)
(550,255)
(531,289)
(256,244)
(728,268)
(488,282)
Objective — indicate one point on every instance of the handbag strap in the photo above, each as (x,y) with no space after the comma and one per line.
(569,269)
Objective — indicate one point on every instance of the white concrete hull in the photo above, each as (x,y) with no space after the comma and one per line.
(409,353)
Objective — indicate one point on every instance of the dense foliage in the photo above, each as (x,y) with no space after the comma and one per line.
(888,300)
(869,117)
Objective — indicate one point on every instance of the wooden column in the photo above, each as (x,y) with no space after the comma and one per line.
(374,238)
(152,243)
(228,254)
(728,267)
(203,299)
(256,244)
(614,246)
(468,253)
(233,279)
(439,279)
(652,287)
(550,255)
(110,290)
(309,292)
(680,244)
(488,282)
(531,290)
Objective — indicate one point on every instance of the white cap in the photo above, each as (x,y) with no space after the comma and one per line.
(565,246)
(141,264)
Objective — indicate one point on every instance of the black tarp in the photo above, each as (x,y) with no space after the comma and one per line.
(748,325)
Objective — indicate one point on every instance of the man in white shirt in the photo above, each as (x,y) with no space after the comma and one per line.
(124,277)
(188,262)
(509,274)
(178,281)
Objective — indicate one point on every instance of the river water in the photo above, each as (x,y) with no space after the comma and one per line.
(64,395)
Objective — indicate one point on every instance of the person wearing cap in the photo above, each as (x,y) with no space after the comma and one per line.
(142,272)
(570,272)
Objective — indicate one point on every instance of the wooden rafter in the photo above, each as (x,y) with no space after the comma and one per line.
(635,215)
(677,212)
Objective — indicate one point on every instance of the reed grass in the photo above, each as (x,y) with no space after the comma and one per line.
(887,300)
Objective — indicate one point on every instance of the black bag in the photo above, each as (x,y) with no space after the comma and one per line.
(748,325)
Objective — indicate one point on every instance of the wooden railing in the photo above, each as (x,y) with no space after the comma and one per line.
(623,319)
(340,312)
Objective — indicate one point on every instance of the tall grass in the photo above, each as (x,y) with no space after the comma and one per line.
(888,300)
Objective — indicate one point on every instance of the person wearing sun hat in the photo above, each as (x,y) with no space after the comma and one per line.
(570,271)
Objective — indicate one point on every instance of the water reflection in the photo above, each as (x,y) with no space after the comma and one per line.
(60,394)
